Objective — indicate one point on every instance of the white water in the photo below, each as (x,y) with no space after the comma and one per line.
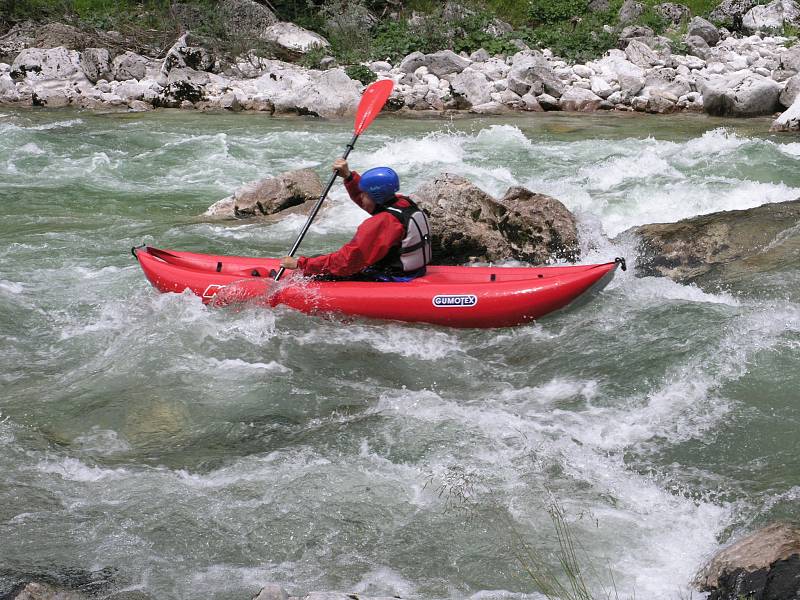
(192,448)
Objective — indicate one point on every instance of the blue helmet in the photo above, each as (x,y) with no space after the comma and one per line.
(380,183)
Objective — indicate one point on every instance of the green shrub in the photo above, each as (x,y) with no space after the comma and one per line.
(362,73)
(394,40)
(552,11)
(577,43)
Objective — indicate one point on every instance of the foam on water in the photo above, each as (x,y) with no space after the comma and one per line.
(389,339)
(11,287)
(242,365)
(72,469)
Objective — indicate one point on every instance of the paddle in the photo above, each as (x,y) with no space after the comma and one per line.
(372,102)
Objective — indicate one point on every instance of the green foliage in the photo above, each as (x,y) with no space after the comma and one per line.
(312,58)
(394,40)
(344,23)
(580,42)
(650,18)
(553,11)
(362,73)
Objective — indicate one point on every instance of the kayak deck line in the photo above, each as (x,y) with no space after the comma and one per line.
(451,296)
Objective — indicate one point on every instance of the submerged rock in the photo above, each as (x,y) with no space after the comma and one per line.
(467,224)
(269,196)
(763,565)
(719,247)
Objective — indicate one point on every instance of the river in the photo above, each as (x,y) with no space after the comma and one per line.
(184,451)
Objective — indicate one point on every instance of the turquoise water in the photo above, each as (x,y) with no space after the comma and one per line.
(187,449)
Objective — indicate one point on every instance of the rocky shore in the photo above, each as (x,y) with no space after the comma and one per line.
(708,69)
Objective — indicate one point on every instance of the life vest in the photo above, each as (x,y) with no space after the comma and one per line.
(414,251)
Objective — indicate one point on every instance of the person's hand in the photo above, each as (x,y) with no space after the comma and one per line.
(341,167)
(289,262)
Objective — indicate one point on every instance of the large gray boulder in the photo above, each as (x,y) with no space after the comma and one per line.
(641,54)
(728,11)
(531,72)
(740,95)
(245,18)
(668,81)
(616,67)
(703,29)
(445,62)
(96,64)
(764,565)
(472,85)
(789,120)
(292,89)
(719,247)
(791,92)
(538,228)
(468,224)
(269,196)
(412,62)
(292,40)
(577,99)
(129,65)
(772,16)
(36,64)
(790,59)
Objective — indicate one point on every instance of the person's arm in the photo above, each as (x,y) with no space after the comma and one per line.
(351,179)
(372,241)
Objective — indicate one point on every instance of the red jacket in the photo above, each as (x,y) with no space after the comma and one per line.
(372,241)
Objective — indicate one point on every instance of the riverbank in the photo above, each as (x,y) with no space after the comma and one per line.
(706,68)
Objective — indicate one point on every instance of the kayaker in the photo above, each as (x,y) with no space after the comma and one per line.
(394,244)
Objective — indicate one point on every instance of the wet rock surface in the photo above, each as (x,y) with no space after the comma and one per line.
(269,196)
(763,565)
(468,224)
(720,248)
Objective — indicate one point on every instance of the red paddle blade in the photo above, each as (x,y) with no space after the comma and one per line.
(375,96)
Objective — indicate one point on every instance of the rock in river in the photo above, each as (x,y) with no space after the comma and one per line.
(720,247)
(269,196)
(468,224)
(763,565)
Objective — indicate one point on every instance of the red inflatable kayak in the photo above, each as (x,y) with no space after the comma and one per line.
(451,296)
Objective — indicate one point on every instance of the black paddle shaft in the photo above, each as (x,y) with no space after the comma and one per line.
(318,205)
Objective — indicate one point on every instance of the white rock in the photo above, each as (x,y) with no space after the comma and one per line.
(431,80)
(445,62)
(789,120)
(294,38)
(380,66)
(772,16)
(50,64)
(129,65)
(741,94)
(583,71)
(601,87)
(472,85)
(291,89)
(530,103)
(579,100)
